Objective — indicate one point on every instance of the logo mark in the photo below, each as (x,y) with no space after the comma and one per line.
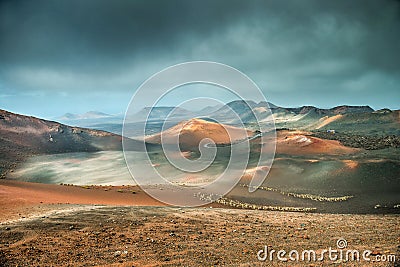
(169,170)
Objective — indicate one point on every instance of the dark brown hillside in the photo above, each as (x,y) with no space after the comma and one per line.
(22,136)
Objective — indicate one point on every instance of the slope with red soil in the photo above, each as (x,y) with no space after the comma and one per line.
(297,143)
(191,132)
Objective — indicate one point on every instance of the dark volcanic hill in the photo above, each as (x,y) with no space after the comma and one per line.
(22,136)
(297,117)
(344,109)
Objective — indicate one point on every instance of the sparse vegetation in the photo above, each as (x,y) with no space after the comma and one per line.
(243,205)
(305,196)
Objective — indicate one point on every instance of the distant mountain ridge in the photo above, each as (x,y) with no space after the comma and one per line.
(238,106)
(342,118)
(84,116)
(241,111)
(344,109)
(161,113)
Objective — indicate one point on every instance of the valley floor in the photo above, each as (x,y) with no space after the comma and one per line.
(23,199)
(163,236)
(36,231)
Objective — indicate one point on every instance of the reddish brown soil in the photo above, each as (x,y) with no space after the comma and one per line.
(163,236)
(193,131)
(300,143)
(19,199)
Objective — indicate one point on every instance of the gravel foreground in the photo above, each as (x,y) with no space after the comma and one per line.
(163,236)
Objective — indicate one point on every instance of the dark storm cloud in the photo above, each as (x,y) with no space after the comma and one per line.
(97,33)
(323,48)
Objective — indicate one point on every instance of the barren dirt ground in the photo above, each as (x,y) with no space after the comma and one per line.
(163,236)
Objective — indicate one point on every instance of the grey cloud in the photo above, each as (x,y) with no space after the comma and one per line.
(285,46)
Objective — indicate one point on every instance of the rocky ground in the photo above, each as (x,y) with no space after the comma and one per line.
(162,236)
(361,141)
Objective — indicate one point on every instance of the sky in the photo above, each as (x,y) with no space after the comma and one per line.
(76,56)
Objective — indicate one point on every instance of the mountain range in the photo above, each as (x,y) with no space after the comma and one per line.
(84,116)
(345,118)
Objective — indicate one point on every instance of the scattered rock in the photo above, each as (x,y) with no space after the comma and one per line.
(117,253)
(361,141)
